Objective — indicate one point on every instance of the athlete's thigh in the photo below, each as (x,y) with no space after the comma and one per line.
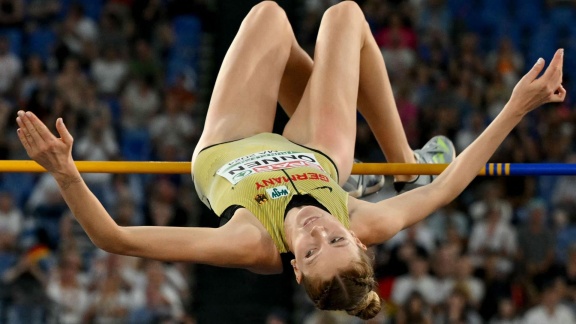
(326,116)
(245,94)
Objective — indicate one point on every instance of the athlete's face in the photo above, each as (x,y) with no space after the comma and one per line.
(320,243)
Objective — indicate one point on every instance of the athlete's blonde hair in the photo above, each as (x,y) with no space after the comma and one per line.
(351,290)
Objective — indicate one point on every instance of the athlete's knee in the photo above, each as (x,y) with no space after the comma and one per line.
(268,6)
(345,12)
(269,16)
(267,12)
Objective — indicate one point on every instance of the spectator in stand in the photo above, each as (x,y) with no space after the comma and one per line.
(435,17)
(110,303)
(435,52)
(104,265)
(468,57)
(507,313)
(72,237)
(422,87)
(457,310)
(397,31)
(140,101)
(163,208)
(98,144)
(550,310)
(536,248)
(35,78)
(498,283)
(449,216)
(496,94)
(394,261)
(79,32)
(145,64)
(173,127)
(400,59)
(109,71)
(25,281)
(408,112)
(71,83)
(564,195)
(465,278)
(184,91)
(414,311)
(156,301)
(60,105)
(47,206)
(438,112)
(6,110)
(443,264)
(11,223)
(490,197)
(567,271)
(11,67)
(565,234)
(127,189)
(555,145)
(11,220)
(491,236)
(126,214)
(67,289)
(398,44)
(519,191)
(113,32)
(418,280)
(507,61)
(420,234)
(93,109)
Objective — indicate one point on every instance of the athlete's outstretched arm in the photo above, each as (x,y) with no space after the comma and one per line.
(201,245)
(375,223)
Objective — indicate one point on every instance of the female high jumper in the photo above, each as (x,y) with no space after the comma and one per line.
(281,193)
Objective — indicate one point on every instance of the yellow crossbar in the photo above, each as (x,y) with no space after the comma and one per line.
(185,167)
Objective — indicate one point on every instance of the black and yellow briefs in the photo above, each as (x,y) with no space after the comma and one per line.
(261,173)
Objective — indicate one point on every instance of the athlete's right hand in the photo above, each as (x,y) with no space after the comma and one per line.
(52,153)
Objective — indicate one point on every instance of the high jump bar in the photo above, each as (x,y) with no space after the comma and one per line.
(154,167)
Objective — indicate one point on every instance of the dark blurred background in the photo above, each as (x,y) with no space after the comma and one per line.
(133,78)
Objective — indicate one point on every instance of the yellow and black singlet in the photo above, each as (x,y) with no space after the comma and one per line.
(262,173)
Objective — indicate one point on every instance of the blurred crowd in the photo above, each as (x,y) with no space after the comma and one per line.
(505,250)
(124,75)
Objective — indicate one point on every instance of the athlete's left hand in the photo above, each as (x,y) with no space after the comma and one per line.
(532,92)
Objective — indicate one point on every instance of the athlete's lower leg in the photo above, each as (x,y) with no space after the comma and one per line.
(376,103)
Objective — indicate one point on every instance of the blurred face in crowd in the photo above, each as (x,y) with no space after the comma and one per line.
(418,267)
(5,202)
(4,46)
(506,309)
(34,65)
(464,267)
